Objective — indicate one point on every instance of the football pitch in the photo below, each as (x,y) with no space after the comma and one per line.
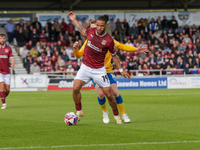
(161,119)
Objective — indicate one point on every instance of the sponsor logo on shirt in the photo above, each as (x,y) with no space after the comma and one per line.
(89,44)
(6,50)
(3,56)
(103,42)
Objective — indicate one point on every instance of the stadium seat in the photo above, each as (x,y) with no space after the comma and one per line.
(125,63)
(176,66)
(198,71)
(74,73)
(55,43)
(48,44)
(173,72)
(74,63)
(128,37)
(179,72)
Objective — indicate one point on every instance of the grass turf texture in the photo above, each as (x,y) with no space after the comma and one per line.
(36,119)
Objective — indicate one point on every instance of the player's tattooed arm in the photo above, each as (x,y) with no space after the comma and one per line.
(80,28)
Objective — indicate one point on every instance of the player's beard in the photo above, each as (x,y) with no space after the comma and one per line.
(2,43)
(102,32)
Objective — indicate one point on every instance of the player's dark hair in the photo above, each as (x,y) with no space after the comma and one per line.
(104,18)
(2,34)
(93,22)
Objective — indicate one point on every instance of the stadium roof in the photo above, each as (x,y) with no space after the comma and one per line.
(66,5)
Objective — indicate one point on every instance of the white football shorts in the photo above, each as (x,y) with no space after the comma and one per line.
(99,75)
(5,78)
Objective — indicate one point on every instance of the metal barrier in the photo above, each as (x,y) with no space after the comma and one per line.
(134,73)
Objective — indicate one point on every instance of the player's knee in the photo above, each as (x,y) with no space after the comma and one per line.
(109,95)
(101,95)
(76,89)
(115,93)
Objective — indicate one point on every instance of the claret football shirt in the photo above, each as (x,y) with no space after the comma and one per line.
(96,48)
(5,55)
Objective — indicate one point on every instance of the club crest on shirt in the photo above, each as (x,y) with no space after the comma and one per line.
(1,52)
(103,42)
(6,50)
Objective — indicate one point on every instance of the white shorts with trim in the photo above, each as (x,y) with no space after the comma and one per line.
(86,73)
(5,78)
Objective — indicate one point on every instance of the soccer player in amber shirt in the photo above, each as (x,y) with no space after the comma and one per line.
(98,43)
(5,55)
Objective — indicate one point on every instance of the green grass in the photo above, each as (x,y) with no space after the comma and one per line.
(36,119)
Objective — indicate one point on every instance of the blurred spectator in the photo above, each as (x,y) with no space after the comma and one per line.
(168,70)
(126,25)
(64,56)
(60,61)
(153,25)
(49,24)
(159,59)
(70,27)
(129,43)
(134,31)
(116,35)
(36,22)
(52,34)
(34,37)
(165,24)
(117,24)
(21,23)
(84,23)
(63,26)
(159,23)
(78,66)
(195,71)
(29,62)
(42,67)
(173,24)
(42,36)
(70,70)
(49,67)
(186,69)
(21,39)
(112,25)
(109,30)
(26,32)
(10,29)
(33,52)
(24,54)
(57,26)
(121,55)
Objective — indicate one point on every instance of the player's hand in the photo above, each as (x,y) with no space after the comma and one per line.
(12,66)
(141,49)
(75,45)
(72,15)
(125,74)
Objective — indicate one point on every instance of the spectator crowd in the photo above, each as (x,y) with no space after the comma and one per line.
(50,48)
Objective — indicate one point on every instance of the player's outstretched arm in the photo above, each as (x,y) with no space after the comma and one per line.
(80,28)
(79,53)
(117,63)
(12,63)
(125,47)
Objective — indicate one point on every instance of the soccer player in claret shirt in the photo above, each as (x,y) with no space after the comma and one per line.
(109,68)
(98,43)
(5,55)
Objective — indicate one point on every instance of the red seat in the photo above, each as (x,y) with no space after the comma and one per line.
(173,72)
(198,71)
(179,72)
(74,73)
(128,37)
(176,66)
(55,44)
(125,63)
(48,44)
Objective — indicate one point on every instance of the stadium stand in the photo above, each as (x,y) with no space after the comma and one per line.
(170,47)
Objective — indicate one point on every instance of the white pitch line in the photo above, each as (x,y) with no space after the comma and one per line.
(98,145)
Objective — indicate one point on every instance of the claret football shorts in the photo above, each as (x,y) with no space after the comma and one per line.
(86,73)
(5,78)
